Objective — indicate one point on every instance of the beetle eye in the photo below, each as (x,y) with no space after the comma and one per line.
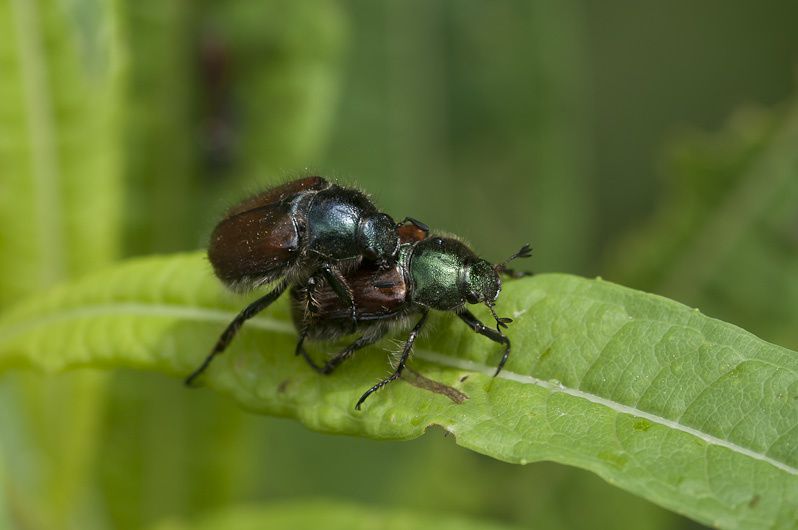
(482,283)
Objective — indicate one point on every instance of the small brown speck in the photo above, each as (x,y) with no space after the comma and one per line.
(463,379)
(282,386)
(754,501)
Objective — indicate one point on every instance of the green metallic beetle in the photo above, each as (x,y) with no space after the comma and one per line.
(436,273)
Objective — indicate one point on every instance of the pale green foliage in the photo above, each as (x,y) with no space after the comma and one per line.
(689,412)
(329,515)
(60,162)
(59,138)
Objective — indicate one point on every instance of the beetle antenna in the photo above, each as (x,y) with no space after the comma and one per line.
(523,252)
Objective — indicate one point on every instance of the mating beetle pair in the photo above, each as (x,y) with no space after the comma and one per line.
(351,268)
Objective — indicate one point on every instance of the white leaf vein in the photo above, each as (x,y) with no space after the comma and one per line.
(270,324)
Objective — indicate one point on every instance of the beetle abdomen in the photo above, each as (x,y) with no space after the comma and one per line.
(378,295)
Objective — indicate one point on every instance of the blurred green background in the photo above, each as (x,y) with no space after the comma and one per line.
(573,125)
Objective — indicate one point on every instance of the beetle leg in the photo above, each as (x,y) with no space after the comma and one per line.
(342,289)
(402,361)
(232,328)
(311,306)
(300,350)
(512,273)
(415,222)
(474,323)
(362,342)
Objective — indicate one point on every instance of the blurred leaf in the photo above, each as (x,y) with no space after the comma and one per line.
(330,515)
(59,199)
(474,114)
(59,208)
(221,96)
(726,238)
(691,413)
(158,125)
(167,452)
(283,62)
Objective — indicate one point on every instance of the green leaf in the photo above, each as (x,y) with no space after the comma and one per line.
(330,515)
(288,91)
(726,237)
(158,127)
(168,452)
(59,200)
(691,413)
(59,208)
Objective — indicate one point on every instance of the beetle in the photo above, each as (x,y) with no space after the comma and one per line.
(301,231)
(437,273)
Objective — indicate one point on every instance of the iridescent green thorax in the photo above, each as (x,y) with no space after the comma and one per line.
(445,273)
(435,274)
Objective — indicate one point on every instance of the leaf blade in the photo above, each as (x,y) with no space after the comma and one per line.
(694,414)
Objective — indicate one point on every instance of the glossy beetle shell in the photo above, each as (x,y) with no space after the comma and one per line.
(289,231)
(258,239)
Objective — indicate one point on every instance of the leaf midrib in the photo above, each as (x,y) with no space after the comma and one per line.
(146,309)
(269,324)
(620,408)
